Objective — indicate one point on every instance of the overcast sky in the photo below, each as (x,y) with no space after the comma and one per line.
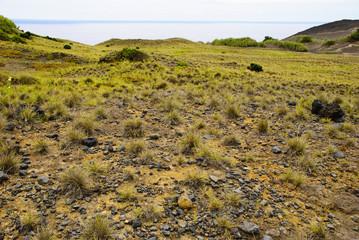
(183,10)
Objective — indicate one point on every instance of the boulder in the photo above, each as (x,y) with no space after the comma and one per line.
(325,110)
(185,202)
(89,142)
(250,228)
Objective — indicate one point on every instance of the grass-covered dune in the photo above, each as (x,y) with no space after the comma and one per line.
(171,139)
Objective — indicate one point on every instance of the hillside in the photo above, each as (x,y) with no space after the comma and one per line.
(187,143)
(333,30)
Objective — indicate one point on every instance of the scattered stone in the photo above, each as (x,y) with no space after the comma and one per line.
(213,178)
(339,155)
(43,180)
(89,142)
(266,237)
(276,150)
(325,110)
(154,136)
(184,202)
(330,226)
(3,176)
(250,228)
(292,103)
(136,223)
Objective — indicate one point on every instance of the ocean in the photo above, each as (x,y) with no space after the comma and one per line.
(94,32)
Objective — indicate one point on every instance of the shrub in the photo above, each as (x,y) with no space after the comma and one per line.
(17,39)
(133,128)
(255,67)
(98,227)
(353,37)
(67,46)
(236,42)
(305,39)
(189,142)
(131,55)
(4,36)
(24,80)
(329,43)
(266,38)
(76,182)
(292,46)
(26,35)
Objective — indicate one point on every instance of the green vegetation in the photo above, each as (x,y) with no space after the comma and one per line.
(288,45)
(305,39)
(329,43)
(255,67)
(76,182)
(133,128)
(353,37)
(236,42)
(6,25)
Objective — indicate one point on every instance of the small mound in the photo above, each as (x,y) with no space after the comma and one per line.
(130,54)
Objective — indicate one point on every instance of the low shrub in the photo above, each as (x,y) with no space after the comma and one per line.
(329,43)
(133,128)
(76,182)
(17,39)
(26,35)
(255,67)
(131,55)
(67,46)
(6,25)
(182,64)
(24,80)
(236,42)
(305,39)
(353,37)
(292,46)
(4,36)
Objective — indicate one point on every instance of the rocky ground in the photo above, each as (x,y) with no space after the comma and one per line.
(180,164)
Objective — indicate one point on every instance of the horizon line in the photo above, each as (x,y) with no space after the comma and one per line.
(64,21)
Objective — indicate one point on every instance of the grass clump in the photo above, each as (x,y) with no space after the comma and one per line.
(295,178)
(231,140)
(76,182)
(27,115)
(45,233)
(147,157)
(98,227)
(86,123)
(318,231)
(149,212)
(224,223)
(41,146)
(232,111)
(101,113)
(136,147)
(75,135)
(297,145)
(329,43)
(133,128)
(189,142)
(263,125)
(127,193)
(213,158)
(233,199)
(96,168)
(174,118)
(9,162)
(29,222)
(195,179)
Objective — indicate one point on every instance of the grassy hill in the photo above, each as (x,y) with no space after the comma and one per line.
(188,143)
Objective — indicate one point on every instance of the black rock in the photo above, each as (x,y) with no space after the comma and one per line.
(89,142)
(324,110)
(3,176)
(292,103)
(136,223)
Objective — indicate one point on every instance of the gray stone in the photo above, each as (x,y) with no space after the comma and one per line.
(136,223)
(339,155)
(250,228)
(213,178)
(154,136)
(330,226)
(276,150)
(43,180)
(266,237)
(3,176)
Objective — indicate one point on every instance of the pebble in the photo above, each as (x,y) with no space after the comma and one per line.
(250,228)
(184,202)
(3,176)
(276,150)
(136,223)
(339,155)
(43,180)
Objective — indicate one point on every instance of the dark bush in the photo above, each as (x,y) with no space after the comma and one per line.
(17,39)
(50,38)
(292,46)
(4,36)
(26,35)
(182,64)
(24,80)
(329,43)
(67,46)
(255,67)
(353,37)
(266,38)
(131,55)
(305,39)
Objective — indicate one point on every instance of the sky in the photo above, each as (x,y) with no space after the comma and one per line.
(183,10)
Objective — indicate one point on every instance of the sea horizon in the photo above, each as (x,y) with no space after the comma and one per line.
(93,32)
